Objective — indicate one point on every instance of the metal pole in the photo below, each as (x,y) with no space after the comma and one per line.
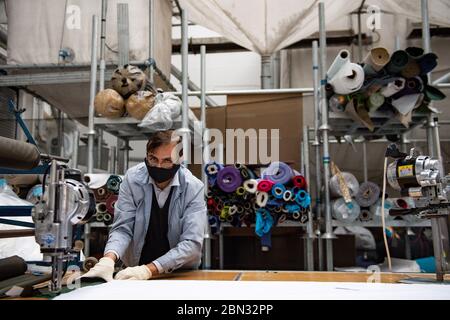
(151,35)
(365,169)
(76,145)
(113,160)
(127,155)
(276,70)
(184,83)
(91,132)
(360,49)
(316,143)
(325,128)
(60,134)
(309,224)
(266,71)
(123,36)
(103,45)
(99,148)
(207,246)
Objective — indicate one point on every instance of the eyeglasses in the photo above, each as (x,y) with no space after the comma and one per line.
(154,162)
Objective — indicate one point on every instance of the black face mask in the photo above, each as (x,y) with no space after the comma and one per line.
(161,174)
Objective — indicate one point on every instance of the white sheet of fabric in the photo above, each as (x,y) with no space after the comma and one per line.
(271,25)
(257,290)
(38,29)
(97,180)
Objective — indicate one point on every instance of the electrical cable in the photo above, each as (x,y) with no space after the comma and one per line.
(382,216)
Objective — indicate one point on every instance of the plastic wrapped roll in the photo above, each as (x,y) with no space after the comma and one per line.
(278,172)
(393,87)
(343,213)
(337,103)
(107,218)
(12,267)
(109,103)
(351,182)
(110,203)
(341,59)
(299,181)
(377,58)
(113,184)
(251,186)
(229,179)
(35,194)
(375,210)
(368,194)
(412,86)
(265,185)
(139,103)
(303,199)
(278,190)
(128,80)
(99,217)
(18,155)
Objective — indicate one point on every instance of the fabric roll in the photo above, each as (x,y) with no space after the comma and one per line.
(229,179)
(96,180)
(22,179)
(367,194)
(261,198)
(365,215)
(278,172)
(393,87)
(344,213)
(398,62)
(299,181)
(18,154)
(377,58)
(427,63)
(291,208)
(265,185)
(415,52)
(356,110)
(411,70)
(101,194)
(341,59)
(264,222)
(303,199)
(211,169)
(12,267)
(109,103)
(375,101)
(139,104)
(278,190)
(101,207)
(412,85)
(251,185)
(110,203)
(287,195)
(113,184)
(349,79)
(407,103)
(434,94)
(240,191)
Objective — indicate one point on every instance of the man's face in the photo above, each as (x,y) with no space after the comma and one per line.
(164,156)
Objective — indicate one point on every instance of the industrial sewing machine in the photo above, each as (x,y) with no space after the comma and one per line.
(65,203)
(421,178)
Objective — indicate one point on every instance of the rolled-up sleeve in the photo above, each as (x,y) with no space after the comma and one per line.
(121,231)
(188,251)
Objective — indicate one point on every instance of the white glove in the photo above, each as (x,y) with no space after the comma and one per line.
(103,269)
(134,273)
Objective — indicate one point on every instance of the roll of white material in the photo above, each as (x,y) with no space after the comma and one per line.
(348,79)
(96,180)
(351,182)
(341,59)
(342,212)
(393,87)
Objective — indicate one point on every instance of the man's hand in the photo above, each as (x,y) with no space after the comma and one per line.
(135,273)
(103,269)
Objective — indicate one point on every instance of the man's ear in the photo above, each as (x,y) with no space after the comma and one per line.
(177,153)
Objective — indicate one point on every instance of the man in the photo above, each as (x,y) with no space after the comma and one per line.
(160,217)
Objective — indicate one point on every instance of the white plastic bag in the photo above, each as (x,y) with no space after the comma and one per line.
(167,108)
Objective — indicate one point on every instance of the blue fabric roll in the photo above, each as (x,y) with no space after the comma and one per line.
(278,172)
(427,265)
(278,186)
(264,222)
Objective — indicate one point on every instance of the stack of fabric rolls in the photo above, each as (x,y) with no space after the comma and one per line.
(237,195)
(395,84)
(106,189)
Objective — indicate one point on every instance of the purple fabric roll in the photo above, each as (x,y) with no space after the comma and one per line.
(278,172)
(229,179)
(427,62)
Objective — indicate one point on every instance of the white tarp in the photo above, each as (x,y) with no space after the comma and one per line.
(38,29)
(267,26)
